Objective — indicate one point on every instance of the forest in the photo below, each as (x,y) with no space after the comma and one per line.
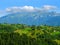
(21,34)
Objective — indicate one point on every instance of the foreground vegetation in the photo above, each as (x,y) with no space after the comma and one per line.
(19,34)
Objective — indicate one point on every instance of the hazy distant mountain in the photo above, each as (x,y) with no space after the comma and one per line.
(32,18)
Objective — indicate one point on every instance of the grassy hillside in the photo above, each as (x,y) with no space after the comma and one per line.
(20,34)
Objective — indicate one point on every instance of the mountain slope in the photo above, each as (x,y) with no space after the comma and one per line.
(32,18)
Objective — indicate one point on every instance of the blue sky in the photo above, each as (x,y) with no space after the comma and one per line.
(29,4)
(36,3)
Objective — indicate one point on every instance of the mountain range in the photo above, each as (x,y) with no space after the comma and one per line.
(32,18)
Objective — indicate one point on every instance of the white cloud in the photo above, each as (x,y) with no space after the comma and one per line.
(21,9)
(29,9)
(8,9)
(48,7)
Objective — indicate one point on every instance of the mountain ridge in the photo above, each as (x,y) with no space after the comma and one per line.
(32,18)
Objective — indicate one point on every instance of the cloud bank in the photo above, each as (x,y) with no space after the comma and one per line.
(42,9)
(21,9)
(30,8)
(48,7)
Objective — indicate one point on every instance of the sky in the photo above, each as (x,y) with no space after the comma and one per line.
(36,3)
(10,5)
